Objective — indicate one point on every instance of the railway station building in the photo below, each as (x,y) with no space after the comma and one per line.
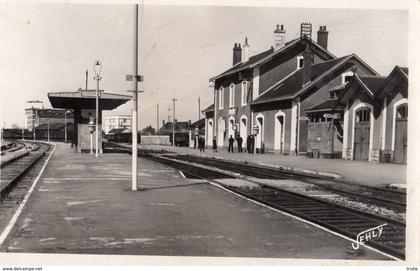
(375,117)
(287,97)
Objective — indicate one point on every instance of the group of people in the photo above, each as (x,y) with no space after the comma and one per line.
(250,144)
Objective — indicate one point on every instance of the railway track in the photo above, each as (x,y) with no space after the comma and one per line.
(343,220)
(14,170)
(391,199)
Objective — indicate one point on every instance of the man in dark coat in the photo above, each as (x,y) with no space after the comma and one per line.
(252,143)
(248,144)
(239,140)
(231,140)
(201,143)
(214,144)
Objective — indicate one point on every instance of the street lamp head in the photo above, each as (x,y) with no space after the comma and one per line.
(97,67)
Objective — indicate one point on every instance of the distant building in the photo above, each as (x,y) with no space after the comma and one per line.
(181,129)
(117,122)
(36,117)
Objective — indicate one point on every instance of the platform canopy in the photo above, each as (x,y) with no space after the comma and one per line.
(86,99)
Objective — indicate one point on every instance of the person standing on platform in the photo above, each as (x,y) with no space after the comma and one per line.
(214,144)
(252,143)
(231,140)
(248,144)
(239,140)
(201,143)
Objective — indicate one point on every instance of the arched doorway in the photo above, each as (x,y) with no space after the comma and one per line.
(209,132)
(400,130)
(243,131)
(260,136)
(231,131)
(362,132)
(279,121)
(221,127)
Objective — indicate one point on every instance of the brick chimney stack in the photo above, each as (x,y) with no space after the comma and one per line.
(237,54)
(279,37)
(245,51)
(323,37)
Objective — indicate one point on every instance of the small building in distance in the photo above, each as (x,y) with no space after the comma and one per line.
(37,116)
(182,132)
(117,122)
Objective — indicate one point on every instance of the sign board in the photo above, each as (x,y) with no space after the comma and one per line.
(333,116)
(232,111)
(90,93)
(130,77)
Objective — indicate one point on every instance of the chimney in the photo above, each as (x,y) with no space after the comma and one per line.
(237,52)
(279,37)
(323,37)
(307,63)
(245,51)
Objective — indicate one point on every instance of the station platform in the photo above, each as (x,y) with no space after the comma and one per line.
(367,173)
(84,205)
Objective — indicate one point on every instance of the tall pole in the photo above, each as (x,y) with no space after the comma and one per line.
(97,117)
(65,126)
(87,72)
(157,118)
(173,124)
(135,104)
(48,130)
(199,108)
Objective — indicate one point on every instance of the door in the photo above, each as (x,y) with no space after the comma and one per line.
(362,135)
(279,133)
(400,145)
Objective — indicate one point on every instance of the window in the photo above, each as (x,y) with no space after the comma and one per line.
(363,115)
(346,76)
(244,93)
(402,112)
(232,95)
(220,94)
(299,64)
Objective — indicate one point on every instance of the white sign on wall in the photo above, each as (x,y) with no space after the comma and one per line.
(90,93)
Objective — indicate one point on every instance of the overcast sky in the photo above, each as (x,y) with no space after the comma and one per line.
(48,47)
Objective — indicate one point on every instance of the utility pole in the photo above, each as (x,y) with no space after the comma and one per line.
(173,123)
(87,72)
(199,108)
(134,118)
(157,118)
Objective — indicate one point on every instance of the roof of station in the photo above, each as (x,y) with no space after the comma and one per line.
(209,108)
(324,106)
(86,99)
(292,47)
(292,86)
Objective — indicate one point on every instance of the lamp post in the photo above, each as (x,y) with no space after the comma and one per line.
(97,67)
(173,123)
(91,126)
